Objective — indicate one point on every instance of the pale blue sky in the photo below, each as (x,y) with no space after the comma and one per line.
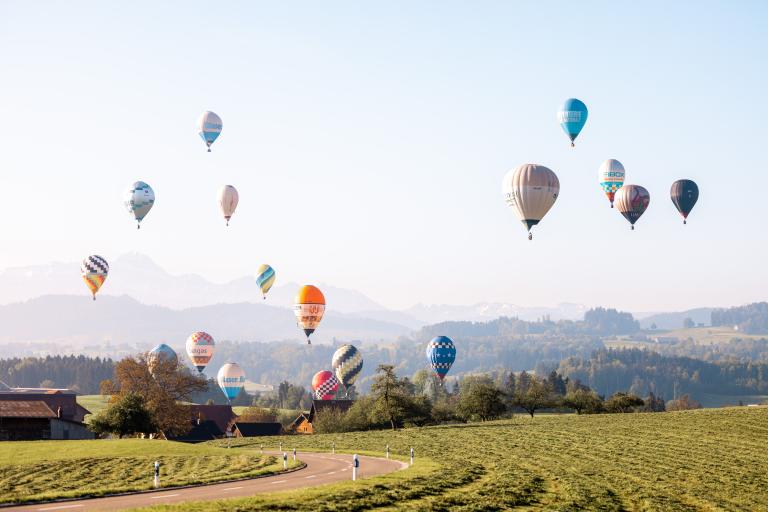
(368,142)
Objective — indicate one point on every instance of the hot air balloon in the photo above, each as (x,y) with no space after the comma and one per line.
(228,198)
(632,201)
(309,307)
(209,128)
(324,385)
(530,190)
(94,270)
(138,201)
(160,352)
(441,353)
(265,278)
(684,194)
(611,177)
(572,117)
(346,363)
(231,379)
(200,349)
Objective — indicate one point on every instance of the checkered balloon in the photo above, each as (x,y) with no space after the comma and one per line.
(324,385)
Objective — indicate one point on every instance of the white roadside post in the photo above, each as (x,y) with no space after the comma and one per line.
(281,446)
(355,465)
(411,455)
(157,473)
(261,449)
(387,451)
(285,460)
(294,455)
(333,447)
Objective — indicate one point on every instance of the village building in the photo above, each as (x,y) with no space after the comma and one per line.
(303,423)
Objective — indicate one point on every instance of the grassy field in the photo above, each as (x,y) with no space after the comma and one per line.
(695,460)
(38,470)
(94,403)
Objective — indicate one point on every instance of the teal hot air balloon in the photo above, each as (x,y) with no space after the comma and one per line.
(161,352)
(572,118)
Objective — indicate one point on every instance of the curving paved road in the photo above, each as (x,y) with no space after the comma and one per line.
(322,468)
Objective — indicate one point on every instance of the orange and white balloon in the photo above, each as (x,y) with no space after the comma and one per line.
(309,307)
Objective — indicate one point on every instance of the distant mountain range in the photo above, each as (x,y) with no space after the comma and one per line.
(78,321)
(141,303)
(137,276)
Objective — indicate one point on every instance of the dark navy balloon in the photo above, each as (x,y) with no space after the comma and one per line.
(684,194)
(572,117)
(441,353)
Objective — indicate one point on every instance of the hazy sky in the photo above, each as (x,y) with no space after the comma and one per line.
(368,142)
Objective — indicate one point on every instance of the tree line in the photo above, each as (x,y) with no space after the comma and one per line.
(750,319)
(78,373)
(395,402)
(641,371)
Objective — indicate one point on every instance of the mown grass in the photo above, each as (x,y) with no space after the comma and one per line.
(44,470)
(694,460)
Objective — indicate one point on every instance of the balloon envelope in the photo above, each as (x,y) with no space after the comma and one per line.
(530,190)
(138,200)
(572,117)
(441,353)
(632,201)
(684,194)
(265,278)
(324,385)
(200,349)
(347,363)
(309,307)
(209,128)
(160,352)
(231,379)
(94,270)
(228,199)
(611,177)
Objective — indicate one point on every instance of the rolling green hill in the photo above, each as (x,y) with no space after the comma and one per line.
(694,460)
(42,470)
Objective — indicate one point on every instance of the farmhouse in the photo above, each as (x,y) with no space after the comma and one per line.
(303,423)
(41,413)
(248,429)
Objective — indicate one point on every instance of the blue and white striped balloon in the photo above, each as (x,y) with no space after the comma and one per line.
(441,353)
(209,128)
(231,379)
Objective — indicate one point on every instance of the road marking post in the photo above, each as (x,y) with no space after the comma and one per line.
(285,460)
(355,465)
(411,455)
(333,447)
(294,455)
(261,449)
(281,446)
(387,451)
(157,474)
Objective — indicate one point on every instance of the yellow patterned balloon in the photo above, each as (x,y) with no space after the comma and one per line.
(265,278)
